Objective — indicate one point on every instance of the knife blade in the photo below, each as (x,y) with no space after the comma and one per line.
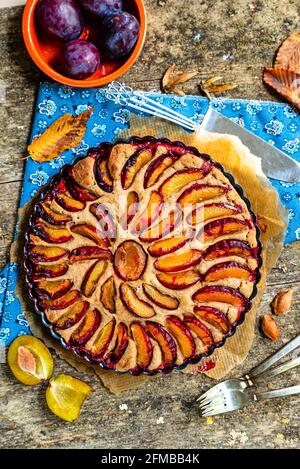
(275,163)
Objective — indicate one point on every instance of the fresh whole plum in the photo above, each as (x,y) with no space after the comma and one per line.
(60,18)
(80,59)
(101,8)
(121,33)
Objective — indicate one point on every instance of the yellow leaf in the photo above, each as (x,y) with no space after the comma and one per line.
(170,80)
(63,134)
(210,87)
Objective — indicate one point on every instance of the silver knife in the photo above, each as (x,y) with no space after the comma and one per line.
(275,163)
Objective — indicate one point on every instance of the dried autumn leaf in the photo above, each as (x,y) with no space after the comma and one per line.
(210,87)
(63,134)
(26,360)
(286,82)
(170,79)
(288,55)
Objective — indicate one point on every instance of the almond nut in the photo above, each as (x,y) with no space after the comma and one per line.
(282,302)
(269,327)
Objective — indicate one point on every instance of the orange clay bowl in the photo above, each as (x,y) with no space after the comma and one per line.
(45,51)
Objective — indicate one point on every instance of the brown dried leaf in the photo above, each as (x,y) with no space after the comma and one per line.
(288,55)
(269,327)
(286,82)
(26,360)
(170,80)
(210,87)
(282,302)
(63,134)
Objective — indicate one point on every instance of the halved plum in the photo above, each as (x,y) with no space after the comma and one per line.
(166,343)
(108,295)
(92,277)
(134,303)
(228,247)
(213,316)
(102,174)
(210,211)
(120,346)
(177,181)
(222,227)
(89,231)
(165,226)
(182,335)
(179,280)
(159,298)
(72,316)
(69,203)
(177,262)
(168,245)
(87,328)
(46,253)
(143,345)
(53,289)
(150,214)
(107,224)
(133,165)
(62,302)
(89,252)
(157,167)
(230,269)
(131,209)
(200,330)
(220,294)
(47,212)
(103,339)
(130,260)
(49,270)
(197,193)
(76,191)
(51,233)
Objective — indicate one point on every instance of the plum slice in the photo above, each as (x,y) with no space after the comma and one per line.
(177,262)
(179,280)
(228,247)
(76,191)
(199,193)
(210,211)
(157,167)
(150,214)
(133,165)
(92,277)
(130,260)
(46,253)
(49,270)
(165,341)
(62,302)
(165,226)
(131,209)
(51,233)
(167,245)
(53,289)
(102,174)
(159,298)
(177,181)
(134,303)
(230,269)
(222,227)
(50,215)
(213,316)
(103,339)
(69,203)
(182,335)
(106,222)
(72,316)
(143,345)
(200,330)
(89,252)
(108,295)
(120,346)
(89,231)
(220,294)
(87,327)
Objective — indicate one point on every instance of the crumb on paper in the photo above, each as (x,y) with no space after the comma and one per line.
(285,420)
(280,436)
(238,437)
(209,420)
(160,421)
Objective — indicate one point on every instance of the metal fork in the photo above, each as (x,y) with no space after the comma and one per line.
(232,394)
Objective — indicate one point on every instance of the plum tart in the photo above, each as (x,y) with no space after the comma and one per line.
(142,256)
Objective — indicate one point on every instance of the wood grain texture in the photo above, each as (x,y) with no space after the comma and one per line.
(217,39)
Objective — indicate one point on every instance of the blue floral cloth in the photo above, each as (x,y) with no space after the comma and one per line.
(277,123)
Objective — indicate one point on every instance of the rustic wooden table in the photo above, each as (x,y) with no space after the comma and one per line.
(218,39)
